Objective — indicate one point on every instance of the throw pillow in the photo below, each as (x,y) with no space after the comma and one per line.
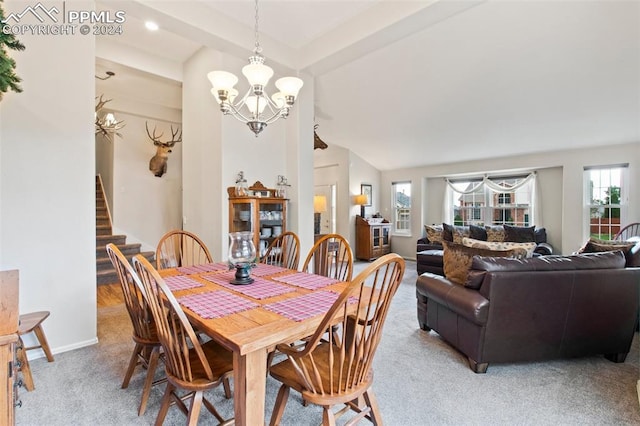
(521,250)
(595,245)
(434,233)
(519,234)
(477,232)
(458,259)
(454,233)
(447,232)
(495,233)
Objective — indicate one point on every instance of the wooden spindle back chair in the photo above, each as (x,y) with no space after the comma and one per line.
(190,365)
(330,256)
(283,251)
(631,230)
(147,345)
(181,248)
(330,372)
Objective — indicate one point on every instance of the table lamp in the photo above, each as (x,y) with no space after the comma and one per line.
(361,200)
(319,206)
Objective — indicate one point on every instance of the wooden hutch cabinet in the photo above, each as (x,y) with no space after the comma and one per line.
(8,342)
(372,239)
(260,212)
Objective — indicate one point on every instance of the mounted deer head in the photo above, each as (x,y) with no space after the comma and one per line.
(107,126)
(158,163)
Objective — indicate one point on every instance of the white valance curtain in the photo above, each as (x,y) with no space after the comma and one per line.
(491,185)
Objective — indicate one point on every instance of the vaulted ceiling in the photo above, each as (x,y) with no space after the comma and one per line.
(412,83)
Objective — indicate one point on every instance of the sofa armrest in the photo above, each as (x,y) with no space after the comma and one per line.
(428,246)
(544,249)
(466,302)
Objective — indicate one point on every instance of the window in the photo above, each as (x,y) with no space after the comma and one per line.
(468,203)
(402,207)
(604,191)
(492,200)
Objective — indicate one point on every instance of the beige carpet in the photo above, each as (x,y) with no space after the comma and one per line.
(419,380)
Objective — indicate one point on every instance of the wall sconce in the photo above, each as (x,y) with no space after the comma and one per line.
(361,200)
(319,206)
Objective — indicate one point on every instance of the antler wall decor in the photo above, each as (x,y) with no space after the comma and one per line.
(317,142)
(158,163)
(107,125)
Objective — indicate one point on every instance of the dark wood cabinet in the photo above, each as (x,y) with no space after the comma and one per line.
(372,239)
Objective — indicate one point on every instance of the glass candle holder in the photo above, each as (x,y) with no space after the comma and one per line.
(242,256)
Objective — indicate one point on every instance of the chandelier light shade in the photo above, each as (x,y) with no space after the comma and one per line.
(255,108)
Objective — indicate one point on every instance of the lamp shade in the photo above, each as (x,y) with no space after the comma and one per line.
(360,200)
(289,86)
(257,74)
(319,203)
(222,80)
(253,101)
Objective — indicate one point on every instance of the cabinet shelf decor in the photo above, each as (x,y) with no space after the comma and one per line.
(372,239)
(261,213)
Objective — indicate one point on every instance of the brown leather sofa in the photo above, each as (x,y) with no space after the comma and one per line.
(533,309)
(429,255)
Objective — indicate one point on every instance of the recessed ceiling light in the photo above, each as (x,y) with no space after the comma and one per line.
(151,26)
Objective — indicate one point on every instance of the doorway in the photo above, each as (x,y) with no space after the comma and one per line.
(327,212)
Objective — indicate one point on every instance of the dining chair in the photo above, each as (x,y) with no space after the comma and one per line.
(147,345)
(283,251)
(32,323)
(181,248)
(330,256)
(631,230)
(328,372)
(190,365)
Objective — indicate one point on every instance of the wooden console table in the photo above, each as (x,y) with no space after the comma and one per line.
(8,342)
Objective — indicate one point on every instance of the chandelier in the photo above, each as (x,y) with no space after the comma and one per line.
(106,125)
(255,108)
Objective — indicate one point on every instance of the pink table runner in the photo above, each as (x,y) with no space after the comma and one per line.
(259,289)
(262,269)
(216,304)
(180,282)
(306,280)
(207,267)
(303,307)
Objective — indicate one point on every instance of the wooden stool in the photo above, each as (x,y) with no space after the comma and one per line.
(28,323)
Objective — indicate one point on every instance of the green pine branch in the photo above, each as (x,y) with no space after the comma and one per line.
(9,80)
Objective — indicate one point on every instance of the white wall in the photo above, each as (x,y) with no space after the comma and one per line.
(561,181)
(331,167)
(220,146)
(47,202)
(341,167)
(145,207)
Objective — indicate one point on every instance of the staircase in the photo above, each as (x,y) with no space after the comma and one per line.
(105,273)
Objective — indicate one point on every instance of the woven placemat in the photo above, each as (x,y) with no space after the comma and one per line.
(303,307)
(181,282)
(260,288)
(198,269)
(216,304)
(306,280)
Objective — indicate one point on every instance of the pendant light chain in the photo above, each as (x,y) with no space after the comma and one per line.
(258,49)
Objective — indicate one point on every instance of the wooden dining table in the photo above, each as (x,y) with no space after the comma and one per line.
(281,306)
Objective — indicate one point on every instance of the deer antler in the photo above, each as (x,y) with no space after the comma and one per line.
(156,139)
(106,128)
